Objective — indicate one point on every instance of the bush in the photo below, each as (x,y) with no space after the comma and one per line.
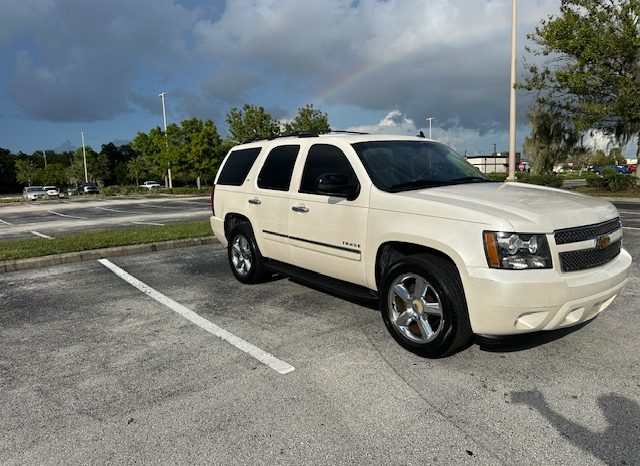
(611,180)
(497,176)
(551,180)
(122,190)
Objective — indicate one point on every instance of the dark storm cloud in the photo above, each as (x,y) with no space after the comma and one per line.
(82,57)
(444,57)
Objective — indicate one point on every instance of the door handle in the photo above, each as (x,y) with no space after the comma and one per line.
(300,208)
(255,201)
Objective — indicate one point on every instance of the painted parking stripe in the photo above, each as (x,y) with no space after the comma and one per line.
(630,228)
(159,206)
(41,235)
(265,358)
(5,222)
(63,215)
(148,223)
(113,210)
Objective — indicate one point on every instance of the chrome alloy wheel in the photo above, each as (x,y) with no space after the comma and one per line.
(241,255)
(415,309)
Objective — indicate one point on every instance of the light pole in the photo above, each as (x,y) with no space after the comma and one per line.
(512,106)
(164,118)
(45,158)
(84,156)
(429,120)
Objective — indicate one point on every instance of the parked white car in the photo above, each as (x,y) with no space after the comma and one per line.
(32,193)
(446,252)
(151,185)
(52,191)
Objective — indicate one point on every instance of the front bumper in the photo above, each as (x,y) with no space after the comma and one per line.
(508,302)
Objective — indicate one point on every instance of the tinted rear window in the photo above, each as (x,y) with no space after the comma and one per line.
(237,166)
(277,169)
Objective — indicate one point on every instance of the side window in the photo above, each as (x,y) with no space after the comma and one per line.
(277,169)
(237,166)
(323,159)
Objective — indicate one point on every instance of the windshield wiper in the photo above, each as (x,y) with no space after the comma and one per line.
(414,184)
(468,179)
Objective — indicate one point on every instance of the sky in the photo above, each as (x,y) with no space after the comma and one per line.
(380,66)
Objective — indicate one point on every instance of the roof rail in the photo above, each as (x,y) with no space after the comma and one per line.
(346,132)
(300,134)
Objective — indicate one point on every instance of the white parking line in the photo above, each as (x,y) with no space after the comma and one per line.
(148,223)
(158,206)
(268,359)
(41,235)
(628,212)
(5,222)
(63,215)
(113,210)
(630,228)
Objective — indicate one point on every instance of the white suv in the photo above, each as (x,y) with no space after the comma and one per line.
(446,252)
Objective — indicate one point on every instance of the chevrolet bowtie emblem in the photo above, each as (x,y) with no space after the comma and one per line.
(602,242)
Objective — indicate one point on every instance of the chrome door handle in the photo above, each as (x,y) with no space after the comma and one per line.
(255,200)
(300,208)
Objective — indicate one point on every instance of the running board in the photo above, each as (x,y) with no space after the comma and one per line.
(323,282)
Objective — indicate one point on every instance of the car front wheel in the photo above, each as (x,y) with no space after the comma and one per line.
(423,305)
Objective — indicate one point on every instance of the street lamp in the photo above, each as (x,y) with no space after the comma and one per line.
(84,156)
(164,117)
(429,120)
(512,107)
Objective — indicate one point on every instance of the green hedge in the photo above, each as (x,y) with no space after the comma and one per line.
(611,180)
(552,180)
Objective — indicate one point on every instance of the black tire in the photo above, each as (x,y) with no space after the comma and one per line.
(423,305)
(245,259)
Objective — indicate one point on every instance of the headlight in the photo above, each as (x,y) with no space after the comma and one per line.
(516,250)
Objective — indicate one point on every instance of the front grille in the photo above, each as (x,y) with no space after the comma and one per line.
(571,261)
(587,232)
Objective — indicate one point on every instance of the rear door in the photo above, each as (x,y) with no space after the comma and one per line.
(270,201)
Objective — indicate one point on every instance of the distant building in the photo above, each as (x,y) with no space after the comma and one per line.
(494,163)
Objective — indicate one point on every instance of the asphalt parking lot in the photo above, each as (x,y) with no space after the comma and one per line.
(51,218)
(93,369)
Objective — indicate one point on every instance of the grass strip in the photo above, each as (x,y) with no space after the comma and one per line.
(627,193)
(38,247)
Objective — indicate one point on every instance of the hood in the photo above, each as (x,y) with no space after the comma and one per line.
(529,208)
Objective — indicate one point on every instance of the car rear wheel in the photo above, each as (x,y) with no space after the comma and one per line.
(244,256)
(423,305)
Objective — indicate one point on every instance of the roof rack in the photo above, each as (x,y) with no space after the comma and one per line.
(346,132)
(300,134)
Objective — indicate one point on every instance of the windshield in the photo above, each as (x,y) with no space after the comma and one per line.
(405,165)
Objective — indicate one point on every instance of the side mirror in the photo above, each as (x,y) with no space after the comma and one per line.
(334,184)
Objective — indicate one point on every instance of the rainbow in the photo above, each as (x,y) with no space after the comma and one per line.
(358,74)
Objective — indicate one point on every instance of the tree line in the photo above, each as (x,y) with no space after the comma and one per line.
(192,149)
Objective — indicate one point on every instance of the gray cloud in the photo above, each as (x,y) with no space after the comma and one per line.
(83,57)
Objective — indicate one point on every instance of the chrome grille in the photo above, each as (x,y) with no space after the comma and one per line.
(587,232)
(571,261)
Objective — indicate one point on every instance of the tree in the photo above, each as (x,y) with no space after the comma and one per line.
(97,166)
(251,123)
(8,182)
(309,120)
(26,171)
(137,168)
(592,72)
(54,174)
(551,141)
(202,146)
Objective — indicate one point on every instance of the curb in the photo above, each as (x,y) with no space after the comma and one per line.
(95,254)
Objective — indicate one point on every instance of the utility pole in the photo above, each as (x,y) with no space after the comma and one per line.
(84,156)
(429,120)
(512,107)
(164,117)
(44,152)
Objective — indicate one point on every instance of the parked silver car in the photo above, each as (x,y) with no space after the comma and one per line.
(31,193)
